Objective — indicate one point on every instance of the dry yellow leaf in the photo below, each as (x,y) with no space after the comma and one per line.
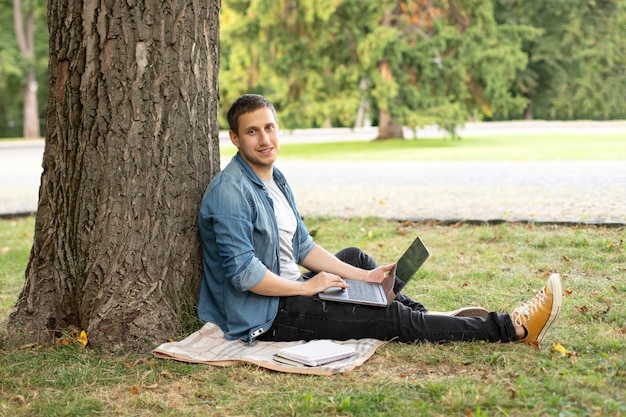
(559,348)
(83,338)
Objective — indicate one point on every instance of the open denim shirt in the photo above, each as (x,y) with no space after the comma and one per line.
(239,240)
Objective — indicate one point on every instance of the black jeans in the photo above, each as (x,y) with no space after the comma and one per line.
(307,318)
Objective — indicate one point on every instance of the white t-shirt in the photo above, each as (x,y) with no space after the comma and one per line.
(287,225)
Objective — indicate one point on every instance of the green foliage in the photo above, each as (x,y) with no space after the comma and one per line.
(424,64)
(427,62)
(13,66)
(299,56)
(576,67)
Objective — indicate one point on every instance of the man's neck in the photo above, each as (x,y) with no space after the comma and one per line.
(265,174)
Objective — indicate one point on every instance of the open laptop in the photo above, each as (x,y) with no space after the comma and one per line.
(374,294)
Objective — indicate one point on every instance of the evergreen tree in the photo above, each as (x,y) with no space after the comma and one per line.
(417,62)
(576,67)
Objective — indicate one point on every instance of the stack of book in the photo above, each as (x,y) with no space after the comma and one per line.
(315,353)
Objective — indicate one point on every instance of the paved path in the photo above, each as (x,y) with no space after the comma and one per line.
(541,191)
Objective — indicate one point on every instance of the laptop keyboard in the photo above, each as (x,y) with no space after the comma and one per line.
(363,291)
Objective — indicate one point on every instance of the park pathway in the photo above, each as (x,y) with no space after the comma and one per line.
(529,191)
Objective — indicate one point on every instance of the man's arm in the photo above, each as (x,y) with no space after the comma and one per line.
(273,285)
(329,270)
(319,259)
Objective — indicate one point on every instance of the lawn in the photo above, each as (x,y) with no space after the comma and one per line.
(495,266)
(538,147)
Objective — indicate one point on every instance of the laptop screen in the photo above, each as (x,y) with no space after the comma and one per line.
(412,259)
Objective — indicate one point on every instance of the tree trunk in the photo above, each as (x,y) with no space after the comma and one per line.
(131,143)
(31,109)
(528,111)
(388,128)
(25,37)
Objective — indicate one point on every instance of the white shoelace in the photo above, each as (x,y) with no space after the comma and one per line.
(522,314)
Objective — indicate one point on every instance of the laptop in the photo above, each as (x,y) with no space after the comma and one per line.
(381,295)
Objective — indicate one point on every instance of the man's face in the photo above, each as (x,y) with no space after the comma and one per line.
(257,140)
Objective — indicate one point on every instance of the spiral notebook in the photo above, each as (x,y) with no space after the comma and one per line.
(315,353)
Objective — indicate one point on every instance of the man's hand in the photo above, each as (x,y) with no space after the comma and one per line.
(323,281)
(378,275)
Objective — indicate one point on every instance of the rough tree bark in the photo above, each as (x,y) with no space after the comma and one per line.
(131,143)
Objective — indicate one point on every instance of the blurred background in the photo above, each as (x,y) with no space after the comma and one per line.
(382,63)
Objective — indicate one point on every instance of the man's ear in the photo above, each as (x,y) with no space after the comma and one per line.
(234,138)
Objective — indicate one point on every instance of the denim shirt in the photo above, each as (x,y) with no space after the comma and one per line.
(239,242)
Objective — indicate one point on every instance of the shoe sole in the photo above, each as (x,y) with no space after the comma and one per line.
(554,285)
(463,312)
(470,312)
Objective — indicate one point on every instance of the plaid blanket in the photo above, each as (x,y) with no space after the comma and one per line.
(208,346)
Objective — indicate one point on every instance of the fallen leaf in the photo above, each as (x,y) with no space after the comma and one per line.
(134,390)
(559,348)
(82,338)
(573,356)
(513,392)
(167,374)
(19,399)
(534,344)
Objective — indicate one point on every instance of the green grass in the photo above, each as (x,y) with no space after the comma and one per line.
(509,147)
(16,239)
(495,266)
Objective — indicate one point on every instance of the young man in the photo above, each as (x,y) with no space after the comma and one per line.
(253,240)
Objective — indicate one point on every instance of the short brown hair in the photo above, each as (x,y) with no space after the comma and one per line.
(246,104)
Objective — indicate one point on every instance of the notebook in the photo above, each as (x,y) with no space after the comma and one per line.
(315,353)
(381,295)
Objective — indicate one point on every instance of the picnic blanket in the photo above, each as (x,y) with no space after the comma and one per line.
(208,346)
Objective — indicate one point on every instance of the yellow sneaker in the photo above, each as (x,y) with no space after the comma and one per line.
(540,313)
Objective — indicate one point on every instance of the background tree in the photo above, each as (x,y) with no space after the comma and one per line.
(441,62)
(23,63)
(417,62)
(576,67)
(300,55)
(24,18)
(131,143)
